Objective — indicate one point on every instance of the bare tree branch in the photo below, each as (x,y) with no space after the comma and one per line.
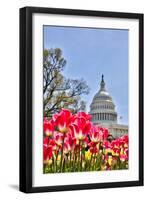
(58,91)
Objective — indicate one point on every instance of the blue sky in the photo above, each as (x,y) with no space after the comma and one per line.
(91,52)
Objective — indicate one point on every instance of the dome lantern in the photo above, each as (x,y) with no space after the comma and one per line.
(102,85)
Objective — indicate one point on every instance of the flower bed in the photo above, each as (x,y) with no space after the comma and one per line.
(73,144)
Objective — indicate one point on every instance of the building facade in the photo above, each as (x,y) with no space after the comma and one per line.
(104,114)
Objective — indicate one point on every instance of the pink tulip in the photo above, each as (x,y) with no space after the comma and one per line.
(80,128)
(69,143)
(48,127)
(58,138)
(48,146)
(63,120)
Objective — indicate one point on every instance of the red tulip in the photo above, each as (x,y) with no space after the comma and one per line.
(69,143)
(123,157)
(103,134)
(47,154)
(86,142)
(83,114)
(116,151)
(98,134)
(120,147)
(58,138)
(107,148)
(116,143)
(125,138)
(126,153)
(94,136)
(63,120)
(48,127)
(93,147)
(80,128)
(107,144)
(48,145)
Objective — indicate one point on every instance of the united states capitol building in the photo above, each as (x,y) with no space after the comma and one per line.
(104,114)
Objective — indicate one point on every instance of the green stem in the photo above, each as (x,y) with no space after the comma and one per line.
(61,162)
(79,157)
(57,160)
(52,165)
(67,161)
(84,160)
(90,161)
(93,166)
(70,167)
(81,154)
(74,160)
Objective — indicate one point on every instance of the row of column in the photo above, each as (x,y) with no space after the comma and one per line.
(102,107)
(104,116)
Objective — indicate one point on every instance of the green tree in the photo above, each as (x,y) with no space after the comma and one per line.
(58,91)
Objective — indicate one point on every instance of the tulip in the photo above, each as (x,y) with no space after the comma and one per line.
(94,134)
(48,145)
(69,143)
(48,127)
(62,120)
(83,114)
(80,128)
(123,157)
(103,134)
(58,138)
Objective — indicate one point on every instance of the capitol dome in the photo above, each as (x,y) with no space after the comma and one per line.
(102,107)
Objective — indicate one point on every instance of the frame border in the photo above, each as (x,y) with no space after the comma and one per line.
(25,99)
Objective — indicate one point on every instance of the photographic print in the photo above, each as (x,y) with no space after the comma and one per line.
(81,99)
(85,99)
